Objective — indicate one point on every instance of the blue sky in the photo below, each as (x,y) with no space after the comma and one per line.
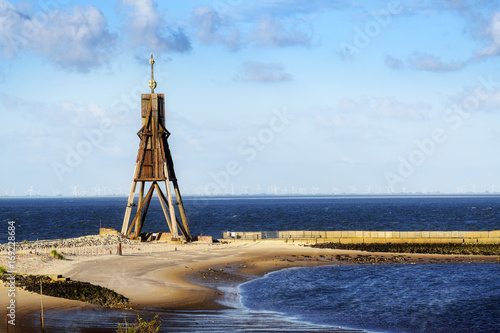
(278,96)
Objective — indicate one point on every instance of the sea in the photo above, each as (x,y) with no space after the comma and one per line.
(366,298)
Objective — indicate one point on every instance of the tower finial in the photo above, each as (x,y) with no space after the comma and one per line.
(152,82)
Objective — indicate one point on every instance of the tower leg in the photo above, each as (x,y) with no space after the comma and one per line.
(136,221)
(130,203)
(141,218)
(181,210)
(175,233)
(137,218)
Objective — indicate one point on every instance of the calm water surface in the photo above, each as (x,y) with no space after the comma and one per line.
(54,218)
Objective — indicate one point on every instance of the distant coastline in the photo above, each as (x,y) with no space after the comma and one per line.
(267,196)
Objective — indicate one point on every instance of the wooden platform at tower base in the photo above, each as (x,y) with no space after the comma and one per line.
(357,237)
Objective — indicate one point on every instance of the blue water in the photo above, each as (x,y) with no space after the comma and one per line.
(385,298)
(379,298)
(53,218)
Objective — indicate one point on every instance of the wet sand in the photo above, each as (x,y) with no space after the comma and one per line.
(188,280)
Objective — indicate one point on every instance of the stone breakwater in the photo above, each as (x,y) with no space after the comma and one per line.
(98,245)
(84,241)
(429,248)
(74,290)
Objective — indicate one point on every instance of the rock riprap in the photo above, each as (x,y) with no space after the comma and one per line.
(84,241)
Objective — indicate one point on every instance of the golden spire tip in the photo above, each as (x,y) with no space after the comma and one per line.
(152,82)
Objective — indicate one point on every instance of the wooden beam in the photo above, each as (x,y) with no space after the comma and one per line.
(137,215)
(130,202)
(163,202)
(143,217)
(139,211)
(181,228)
(173,219)
(187,233)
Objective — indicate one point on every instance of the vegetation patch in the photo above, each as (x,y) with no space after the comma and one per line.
(429,248)
(74,290)
(141,326)
(56,255)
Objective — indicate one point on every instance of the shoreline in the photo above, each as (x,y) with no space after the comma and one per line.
(192,279)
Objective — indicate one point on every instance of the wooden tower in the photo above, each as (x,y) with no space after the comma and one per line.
(154,165)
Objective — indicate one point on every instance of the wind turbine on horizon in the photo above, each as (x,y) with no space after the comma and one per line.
(120,190)
(353,189)
(273,189)
(30,191)
(97,190)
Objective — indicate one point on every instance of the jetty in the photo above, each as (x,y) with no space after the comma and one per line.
(359,237)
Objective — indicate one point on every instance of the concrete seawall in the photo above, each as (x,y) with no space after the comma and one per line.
(356,236)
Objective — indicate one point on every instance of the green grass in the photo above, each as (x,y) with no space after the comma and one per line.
(56,255)
(2,270)
(141,326)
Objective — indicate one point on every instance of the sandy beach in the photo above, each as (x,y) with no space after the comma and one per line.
(187,279)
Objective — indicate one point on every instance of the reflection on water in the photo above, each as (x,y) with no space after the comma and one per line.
(207,321)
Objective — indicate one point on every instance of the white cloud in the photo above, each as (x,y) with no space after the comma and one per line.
(77,40)
(427,62)
(493,33)
(390,107)
(147,27)
(394,63)
(337,121)
(478,26)
(77,115)
(285,8)
(213,29)
(355,114)
(492,103)
(478,98)
(12,28)
(346,104)
(278,33)
(262,73)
